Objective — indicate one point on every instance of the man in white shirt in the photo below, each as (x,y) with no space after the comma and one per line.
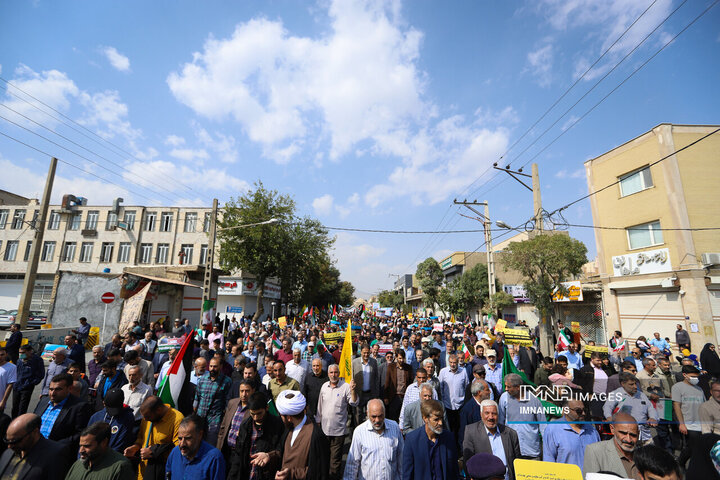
(135,392)
(8,374)
(298,368)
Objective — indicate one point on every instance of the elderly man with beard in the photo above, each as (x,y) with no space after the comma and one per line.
(97,460)
(31,456)
(376,448)
(304,447)
(430,452)
(615,455)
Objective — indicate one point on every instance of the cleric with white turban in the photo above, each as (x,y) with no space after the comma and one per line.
(290,402)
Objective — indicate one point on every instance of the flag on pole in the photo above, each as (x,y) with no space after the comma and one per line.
(346,355)
(508,366)
(275,342)
(362,311)
(563,341)
(177,378)
(305,312)
(334,315)
(317,345)
(465,351)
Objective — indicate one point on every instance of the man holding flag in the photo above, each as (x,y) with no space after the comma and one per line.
(335,397)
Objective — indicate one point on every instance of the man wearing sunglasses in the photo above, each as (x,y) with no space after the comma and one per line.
(31,456)
(565,439)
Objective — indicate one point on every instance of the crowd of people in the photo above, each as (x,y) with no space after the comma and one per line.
(422,401)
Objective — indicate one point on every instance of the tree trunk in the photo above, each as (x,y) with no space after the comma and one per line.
(259,310)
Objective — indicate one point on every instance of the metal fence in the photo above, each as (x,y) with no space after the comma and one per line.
(588,313)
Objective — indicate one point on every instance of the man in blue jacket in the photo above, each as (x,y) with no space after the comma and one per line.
(430,452)
(120,417)
(30,372)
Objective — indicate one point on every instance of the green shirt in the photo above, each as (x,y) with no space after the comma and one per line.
(111,466)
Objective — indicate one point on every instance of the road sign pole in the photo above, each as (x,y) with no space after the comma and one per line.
(102,333)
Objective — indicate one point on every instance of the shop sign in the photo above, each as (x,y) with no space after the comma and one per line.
(446,263)
(229,286)
(574,292)
(640,263)
(518,293)
(250,287)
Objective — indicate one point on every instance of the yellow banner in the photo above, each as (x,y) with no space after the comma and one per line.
(594,348)
(519,337)
(575,327)
(500,325)
(282,322)
(534,470)
(332,338)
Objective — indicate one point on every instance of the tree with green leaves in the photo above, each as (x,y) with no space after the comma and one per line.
(545,261)
(430,277)
(283,249)
(497,302)
(391,298)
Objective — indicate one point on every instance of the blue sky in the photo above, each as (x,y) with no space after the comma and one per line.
(372,114)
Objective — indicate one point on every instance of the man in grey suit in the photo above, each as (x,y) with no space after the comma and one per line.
(614,455)
(487,436)
(367,382)
(412,416)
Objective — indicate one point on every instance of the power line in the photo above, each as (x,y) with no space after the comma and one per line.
(578,80)
(79,125)
(84,148)
(75,166)
(598,83)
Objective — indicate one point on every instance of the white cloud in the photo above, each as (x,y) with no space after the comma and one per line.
(105,112)
(51,87)
(174,140)
(358,81)
(323,205)
(541,64)
(222,145)
(119,61)
(203,179)
(188,154)
(579,173)
(606,21)
(363,263)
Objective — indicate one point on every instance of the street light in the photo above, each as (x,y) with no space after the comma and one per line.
(272,314)
(502,224)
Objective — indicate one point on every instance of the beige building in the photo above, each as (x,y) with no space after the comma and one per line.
(657,266)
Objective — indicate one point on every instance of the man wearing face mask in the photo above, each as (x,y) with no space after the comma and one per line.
(687,397)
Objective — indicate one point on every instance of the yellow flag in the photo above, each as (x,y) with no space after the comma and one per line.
(346,355)
(282,322)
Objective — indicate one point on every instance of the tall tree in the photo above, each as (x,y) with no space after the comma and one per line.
(391,298)
(545,261)
(430,276)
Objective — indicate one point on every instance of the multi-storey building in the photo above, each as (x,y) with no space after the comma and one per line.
(652,207)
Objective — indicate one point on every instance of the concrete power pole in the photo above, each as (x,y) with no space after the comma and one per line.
(35,249)
(485,219)
(207,281)
(537,201)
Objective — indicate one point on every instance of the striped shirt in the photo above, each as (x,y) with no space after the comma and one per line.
(376,456)
(412,394)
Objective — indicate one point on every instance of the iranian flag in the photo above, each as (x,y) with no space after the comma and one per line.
(276,343)
(465,351)
(305,312)
(334,315)
(177,380)
(563,340)
(320,342)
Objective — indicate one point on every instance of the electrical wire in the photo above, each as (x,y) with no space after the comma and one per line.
(87,150)
(79,125)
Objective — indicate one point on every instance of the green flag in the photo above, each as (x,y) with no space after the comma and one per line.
(508,366)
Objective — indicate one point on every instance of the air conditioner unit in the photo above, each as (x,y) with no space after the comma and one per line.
(710,258)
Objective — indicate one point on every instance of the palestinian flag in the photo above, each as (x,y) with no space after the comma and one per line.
(362,311)
(176,383)
(275,342)
(465,351)
(563,340)
(508,366)
(334,315)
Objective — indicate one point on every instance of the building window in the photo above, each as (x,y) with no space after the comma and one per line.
(206,222)
(635,181)
(150,221)
(166,222)
(145,252)
(123,252)
(69,252)
(203,254)
(33,222)
(111,222)
(3,218)
(186,254)
(130,219)
(92,220)
(54,221)
(28,247)
(162,253)
(41,297)
(18,219)
(190,221)
(48,252)
(645,235)
(86,252)
(106,250)
(11,249)
(75,221)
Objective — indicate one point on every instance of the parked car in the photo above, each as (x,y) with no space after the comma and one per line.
(7,318)
(36,319)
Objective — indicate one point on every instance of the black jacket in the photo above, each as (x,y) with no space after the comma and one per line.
(118,382)
(311,391)
(47,460)
(319,455)
(71,420)
(269,441)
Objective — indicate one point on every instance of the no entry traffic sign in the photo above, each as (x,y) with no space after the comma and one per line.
(108,297)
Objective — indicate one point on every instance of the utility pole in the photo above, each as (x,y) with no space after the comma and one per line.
(207,281)
(35,249)
(535,189)
(485,219)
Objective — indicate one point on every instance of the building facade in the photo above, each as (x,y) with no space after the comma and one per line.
(657,265)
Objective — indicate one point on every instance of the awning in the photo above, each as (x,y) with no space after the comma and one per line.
(664,283)
(164,280)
